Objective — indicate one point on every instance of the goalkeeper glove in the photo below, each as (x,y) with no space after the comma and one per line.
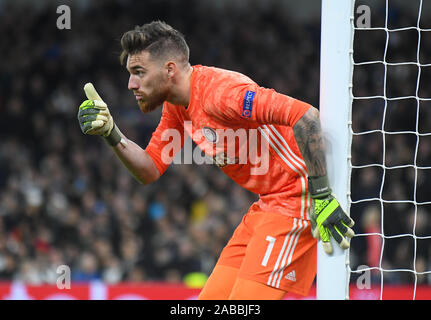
(327,218)
(95,119)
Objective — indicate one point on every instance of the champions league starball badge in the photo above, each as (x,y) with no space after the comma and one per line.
(210,134)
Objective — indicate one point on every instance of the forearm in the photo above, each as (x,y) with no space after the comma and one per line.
(327,218)
(95,119)
(308,135)
(136,160)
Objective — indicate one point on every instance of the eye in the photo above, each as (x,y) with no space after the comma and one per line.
(140,72)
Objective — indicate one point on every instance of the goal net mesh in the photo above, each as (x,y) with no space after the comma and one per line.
(390,162)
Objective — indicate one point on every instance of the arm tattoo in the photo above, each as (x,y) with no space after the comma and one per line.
(308,135)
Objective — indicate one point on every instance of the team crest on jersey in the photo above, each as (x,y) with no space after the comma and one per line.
(210,134)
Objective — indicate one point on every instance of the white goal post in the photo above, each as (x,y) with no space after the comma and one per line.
(335,104)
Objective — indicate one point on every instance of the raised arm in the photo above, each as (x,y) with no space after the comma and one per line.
(95,119)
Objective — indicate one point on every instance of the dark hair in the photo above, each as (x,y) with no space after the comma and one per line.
(158,38)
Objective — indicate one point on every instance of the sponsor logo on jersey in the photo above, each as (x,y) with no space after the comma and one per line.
(291,276)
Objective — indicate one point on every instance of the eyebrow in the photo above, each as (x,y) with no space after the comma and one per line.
(134,68)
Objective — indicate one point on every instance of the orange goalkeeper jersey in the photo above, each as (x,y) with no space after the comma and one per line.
(247,131)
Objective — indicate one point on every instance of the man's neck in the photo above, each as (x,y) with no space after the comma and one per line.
(181,91)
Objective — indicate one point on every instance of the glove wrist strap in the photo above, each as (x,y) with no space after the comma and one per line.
(319,187)
(114,137)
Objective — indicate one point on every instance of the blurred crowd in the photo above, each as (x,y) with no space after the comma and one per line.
(66,199)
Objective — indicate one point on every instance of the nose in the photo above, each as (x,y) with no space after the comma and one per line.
(133,83)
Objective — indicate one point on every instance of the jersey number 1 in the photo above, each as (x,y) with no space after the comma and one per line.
(271,241)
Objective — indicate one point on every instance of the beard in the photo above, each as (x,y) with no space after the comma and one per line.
(159,95)
(148,104)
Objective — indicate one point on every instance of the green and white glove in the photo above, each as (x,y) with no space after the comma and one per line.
(95,119)
(327,218)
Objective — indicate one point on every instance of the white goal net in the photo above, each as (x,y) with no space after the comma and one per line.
(390,164)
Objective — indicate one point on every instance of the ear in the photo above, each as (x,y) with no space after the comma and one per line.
(171,69)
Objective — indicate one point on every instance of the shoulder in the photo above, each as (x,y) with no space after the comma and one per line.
(217,85)
(221,92)
(218,77)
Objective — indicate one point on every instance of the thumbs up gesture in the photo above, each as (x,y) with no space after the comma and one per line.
(93,114)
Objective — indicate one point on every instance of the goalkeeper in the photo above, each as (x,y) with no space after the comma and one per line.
(273,249)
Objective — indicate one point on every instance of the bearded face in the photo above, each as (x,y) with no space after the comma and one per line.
(147,80)
(155,95)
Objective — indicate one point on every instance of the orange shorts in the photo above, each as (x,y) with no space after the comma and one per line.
(273,249)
